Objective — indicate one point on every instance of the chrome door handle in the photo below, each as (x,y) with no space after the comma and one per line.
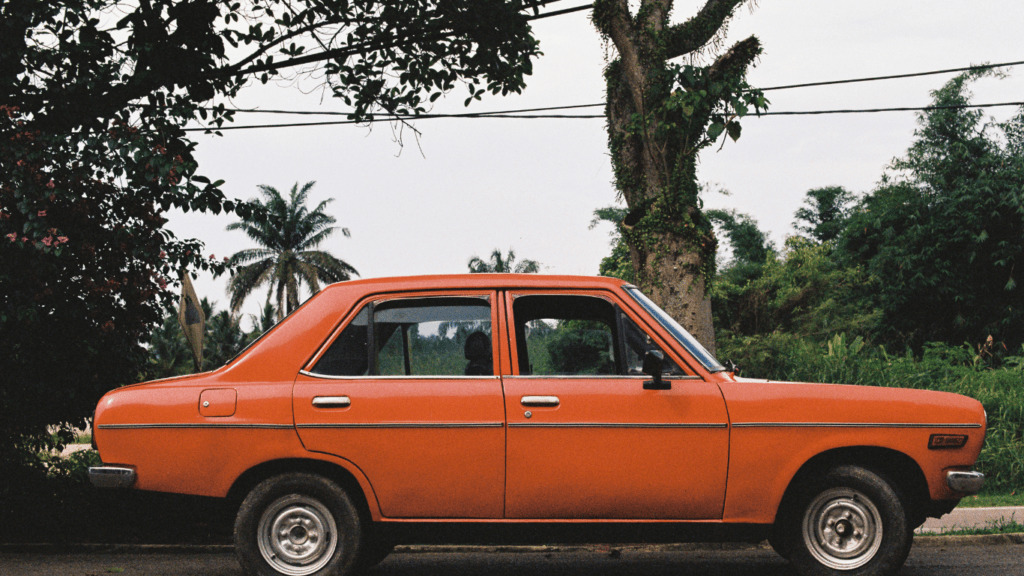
(332,402)
(539,400)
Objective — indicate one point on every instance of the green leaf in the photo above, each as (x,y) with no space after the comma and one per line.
(715,130)
(734,130)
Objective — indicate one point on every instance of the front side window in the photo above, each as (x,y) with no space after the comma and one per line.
(685,338)
(567,335)
(414,337)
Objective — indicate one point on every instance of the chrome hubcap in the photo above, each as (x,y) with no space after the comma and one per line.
(297,535)
(842,529)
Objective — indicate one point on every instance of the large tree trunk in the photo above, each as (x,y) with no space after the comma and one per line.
(654,145)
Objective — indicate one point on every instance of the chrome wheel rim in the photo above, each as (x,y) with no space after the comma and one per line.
(297,535)
(842,529)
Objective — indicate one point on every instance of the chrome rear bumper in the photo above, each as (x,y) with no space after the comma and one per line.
(111,476)
(966,482)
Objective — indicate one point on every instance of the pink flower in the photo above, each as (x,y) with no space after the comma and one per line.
(225,258)
(62,239)
(12,236)
(23,239)
(163,282)
(212,257)
(48,241)
(50,184)
(41,213)
(163,254)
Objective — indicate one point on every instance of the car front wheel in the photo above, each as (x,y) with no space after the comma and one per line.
(849,522)
(297,524)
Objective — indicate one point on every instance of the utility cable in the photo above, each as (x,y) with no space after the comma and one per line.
(590,116)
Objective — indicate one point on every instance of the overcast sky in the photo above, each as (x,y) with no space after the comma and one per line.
(472,185)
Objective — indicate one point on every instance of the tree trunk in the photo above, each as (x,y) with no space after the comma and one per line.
(659,117)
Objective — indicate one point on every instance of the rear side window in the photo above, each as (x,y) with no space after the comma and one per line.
(414,337)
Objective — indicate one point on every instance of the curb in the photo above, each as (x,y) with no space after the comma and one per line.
(614,549)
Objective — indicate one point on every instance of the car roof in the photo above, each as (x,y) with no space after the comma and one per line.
(494,281)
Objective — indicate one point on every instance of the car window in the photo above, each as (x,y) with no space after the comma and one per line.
(414,337)
(637,343)
(563,335)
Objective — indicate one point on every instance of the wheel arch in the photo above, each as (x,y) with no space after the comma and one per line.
(353,482)
(899,469)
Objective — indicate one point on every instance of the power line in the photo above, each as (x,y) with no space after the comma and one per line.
(591,116)
(552,108)
(892,77)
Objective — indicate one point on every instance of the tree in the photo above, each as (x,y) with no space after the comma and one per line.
(94,97)
(660,115)
(503,264)
(824,213)
(286,259)
(750,246)
(617,264)
(169,354)
(941,235)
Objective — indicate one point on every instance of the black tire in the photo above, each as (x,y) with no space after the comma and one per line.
(297,524)
(848,522)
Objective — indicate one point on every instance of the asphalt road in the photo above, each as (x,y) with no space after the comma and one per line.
(1003,560)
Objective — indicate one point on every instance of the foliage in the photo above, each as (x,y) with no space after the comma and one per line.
(824,213)
(750,246)
(286,259)
(617,264)
(804,292)
(169,354)
(941,235)
(660,115)
(94,95)
(502,264)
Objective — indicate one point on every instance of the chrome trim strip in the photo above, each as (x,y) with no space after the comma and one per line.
(369,377)
(599,377)
(407,425)
(851,425)
(111,476)
(966,482)
(539,401)
(615,425)
(332,402)
(194,425)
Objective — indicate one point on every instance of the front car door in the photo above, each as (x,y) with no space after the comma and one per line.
(406,390)
(585,439)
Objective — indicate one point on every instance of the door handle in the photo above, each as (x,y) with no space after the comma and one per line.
(539,400)
(332,402)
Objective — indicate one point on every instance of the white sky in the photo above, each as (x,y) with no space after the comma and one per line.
(533,184)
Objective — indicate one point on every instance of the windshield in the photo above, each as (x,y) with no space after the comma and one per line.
(680,333)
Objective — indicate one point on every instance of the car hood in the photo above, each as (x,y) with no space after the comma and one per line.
(768,402)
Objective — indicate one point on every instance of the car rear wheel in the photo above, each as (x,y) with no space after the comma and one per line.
(850,522)
(297,524)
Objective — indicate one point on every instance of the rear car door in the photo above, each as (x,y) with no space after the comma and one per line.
(406,391)
(585,439)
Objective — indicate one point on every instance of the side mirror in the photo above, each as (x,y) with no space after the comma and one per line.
(654,361)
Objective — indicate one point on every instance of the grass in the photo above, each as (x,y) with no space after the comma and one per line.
(987,500)
(1001,526)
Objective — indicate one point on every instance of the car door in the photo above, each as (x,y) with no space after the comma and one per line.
(406,391)
(585,439)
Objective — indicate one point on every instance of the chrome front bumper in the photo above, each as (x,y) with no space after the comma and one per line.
(966,482)
(111,476)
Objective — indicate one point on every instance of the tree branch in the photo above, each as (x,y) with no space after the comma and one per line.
(693,34)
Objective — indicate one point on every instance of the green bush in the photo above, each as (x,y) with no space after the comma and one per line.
(960,370)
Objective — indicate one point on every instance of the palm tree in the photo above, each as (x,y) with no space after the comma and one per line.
(499,264)
(287,235)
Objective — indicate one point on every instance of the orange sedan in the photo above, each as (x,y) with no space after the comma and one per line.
(525,408)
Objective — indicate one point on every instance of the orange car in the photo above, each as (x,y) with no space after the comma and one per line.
(525,408)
